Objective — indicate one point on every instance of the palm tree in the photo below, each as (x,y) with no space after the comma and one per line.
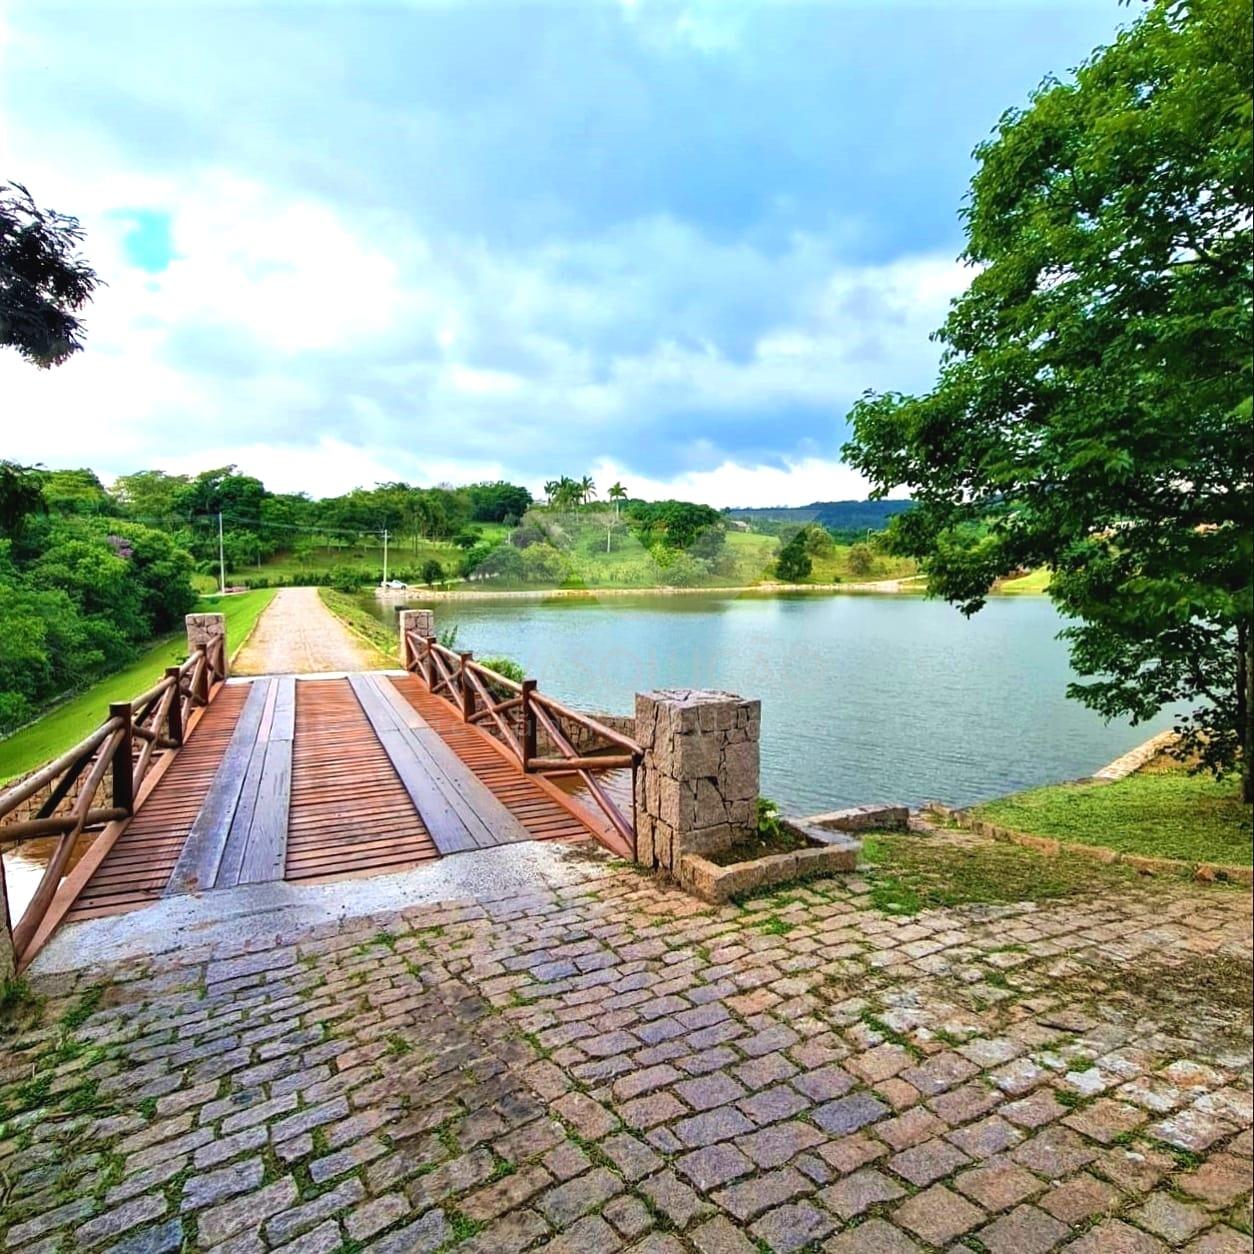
(550,490)
(617,493)
(566,493)
(587,489)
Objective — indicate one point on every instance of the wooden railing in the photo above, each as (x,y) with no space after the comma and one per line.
(515,712)
(96,782)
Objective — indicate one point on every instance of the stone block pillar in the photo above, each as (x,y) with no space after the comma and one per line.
(697,788)
(204,628)
(421,621)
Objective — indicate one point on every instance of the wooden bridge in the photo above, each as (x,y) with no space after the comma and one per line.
(206,783)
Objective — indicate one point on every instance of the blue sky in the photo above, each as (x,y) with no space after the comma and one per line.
(666,242)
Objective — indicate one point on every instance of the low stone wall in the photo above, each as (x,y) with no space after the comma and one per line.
(1134,759)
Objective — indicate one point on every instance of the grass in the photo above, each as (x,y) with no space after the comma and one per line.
(1165,813)
(364,623)
(69,722)
(910,873)
(1036,583)
(404,559)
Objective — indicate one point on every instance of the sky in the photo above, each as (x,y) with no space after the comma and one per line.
(667,242)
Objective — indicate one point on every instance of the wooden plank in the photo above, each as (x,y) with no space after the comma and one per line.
(241,822)
(266,852)
(495,824)
(197,865)
(73,887)
(445,825)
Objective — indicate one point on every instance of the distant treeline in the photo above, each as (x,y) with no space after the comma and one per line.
(847,520)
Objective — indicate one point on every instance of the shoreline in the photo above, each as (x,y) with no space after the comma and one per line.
(889,587)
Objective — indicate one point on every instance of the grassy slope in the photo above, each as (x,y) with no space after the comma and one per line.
(69,722)
(1034,584)
(362,623)
(1162,814)
(366,558)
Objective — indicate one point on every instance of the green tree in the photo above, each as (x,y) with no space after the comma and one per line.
(44,283)
(793,563)
(861,559)
(432,572)
(1093,410)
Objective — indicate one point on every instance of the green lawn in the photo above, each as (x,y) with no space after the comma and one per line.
(1162,813)
(913,872)
(70,721)
(1034,584)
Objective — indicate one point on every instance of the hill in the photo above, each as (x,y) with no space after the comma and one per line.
(837,515)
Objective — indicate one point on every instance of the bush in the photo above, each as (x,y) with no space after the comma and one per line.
(432,572)
(504,666)
(344,579)
(861,559)
(793,564)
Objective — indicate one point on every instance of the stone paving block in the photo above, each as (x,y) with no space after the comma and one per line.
(1025,1230)
(1113,1236)
(773,1146)
(938,1215)
(848,1114)
(713,1166)
(719,1236)
(857,1193)
(998,1185)
(876,1236)
(246,1213)
(1080,1198)
(216,1186)
(113,1223)
(790,1227)
(921,1164)
(750,1198)
(1169,1218)
(565,1203)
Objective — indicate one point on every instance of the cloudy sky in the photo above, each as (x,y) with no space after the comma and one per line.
(668,242)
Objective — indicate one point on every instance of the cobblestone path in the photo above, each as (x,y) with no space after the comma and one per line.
(621,1067)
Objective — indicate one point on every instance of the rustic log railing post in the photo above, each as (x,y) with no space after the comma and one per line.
(174,718)
(123,780)
(207,632)
(528,724)
(467,692)
(416,622)
(8,959)
(429,673)
(697,788)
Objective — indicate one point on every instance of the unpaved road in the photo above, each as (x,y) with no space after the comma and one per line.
(298,635)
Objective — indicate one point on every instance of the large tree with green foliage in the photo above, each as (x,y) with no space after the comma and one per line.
(44,283)
(1093,410)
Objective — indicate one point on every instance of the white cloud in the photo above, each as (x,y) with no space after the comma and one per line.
(732,484)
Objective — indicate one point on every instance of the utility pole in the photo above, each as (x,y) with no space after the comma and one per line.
(221,558)
(384,584)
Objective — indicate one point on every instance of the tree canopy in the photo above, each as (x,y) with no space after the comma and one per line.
(44,283)
(1093,409)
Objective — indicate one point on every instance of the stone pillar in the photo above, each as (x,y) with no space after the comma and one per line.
(697,788)
(421,621)
(203,628)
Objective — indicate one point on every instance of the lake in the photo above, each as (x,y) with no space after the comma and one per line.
(864,698)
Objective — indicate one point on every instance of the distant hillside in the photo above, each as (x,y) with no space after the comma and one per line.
(838,515)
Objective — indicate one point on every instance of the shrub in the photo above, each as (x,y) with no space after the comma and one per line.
(793,563)
(504,666)
(432,572)
(861,559)
(344,578)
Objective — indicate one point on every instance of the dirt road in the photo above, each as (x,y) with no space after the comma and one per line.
(298,635)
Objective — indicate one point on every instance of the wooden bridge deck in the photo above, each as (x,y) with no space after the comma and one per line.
(316,780)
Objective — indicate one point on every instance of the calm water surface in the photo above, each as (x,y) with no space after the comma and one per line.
(864,698)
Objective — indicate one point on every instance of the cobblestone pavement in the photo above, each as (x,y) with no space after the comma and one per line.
(619,1066)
